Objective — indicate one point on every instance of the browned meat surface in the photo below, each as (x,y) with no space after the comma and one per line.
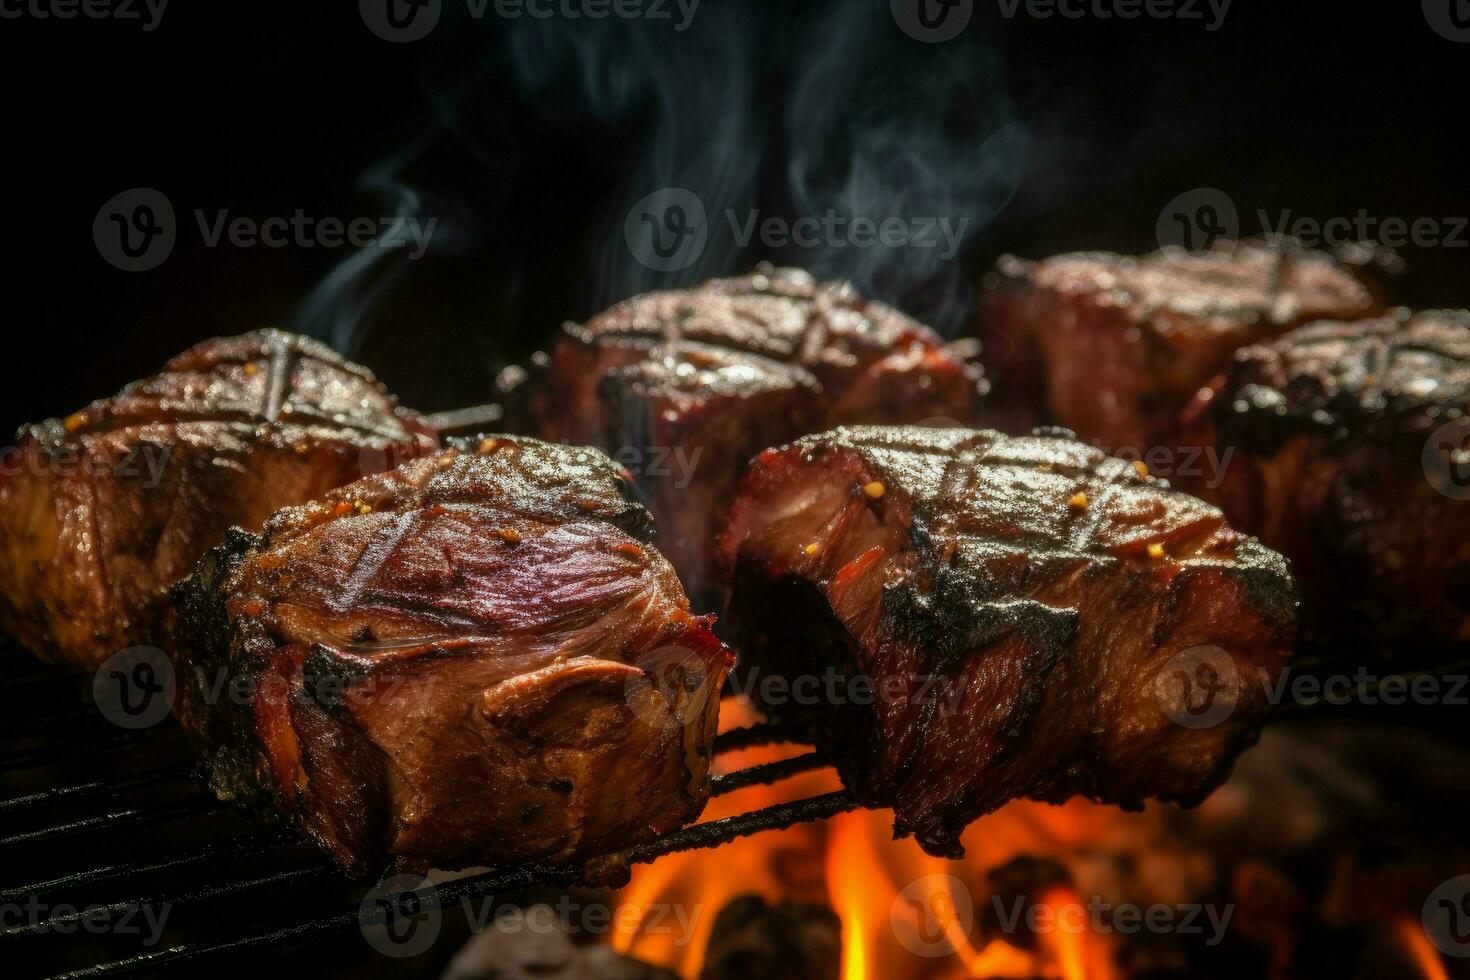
(475,659)
(1350,451)
(963,617)
(684,386)
(102,511)
(1114,347)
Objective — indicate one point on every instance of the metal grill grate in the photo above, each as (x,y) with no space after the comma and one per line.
(135,830)
(97,821)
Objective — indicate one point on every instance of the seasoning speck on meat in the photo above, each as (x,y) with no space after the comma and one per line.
(1019,607)
(478,671)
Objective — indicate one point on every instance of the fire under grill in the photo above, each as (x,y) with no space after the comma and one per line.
(102,825)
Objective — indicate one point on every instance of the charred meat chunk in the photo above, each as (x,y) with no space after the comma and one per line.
(1350,449)
(1114,347)
(961,617)
(475,659)
(104,510)
(684,386)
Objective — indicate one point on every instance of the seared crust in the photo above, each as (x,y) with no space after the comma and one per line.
(1185,299)
(105,509)
(718,372)
(1024,593)
(1114,346)
(1380,380)
(449,664)
(1338,434)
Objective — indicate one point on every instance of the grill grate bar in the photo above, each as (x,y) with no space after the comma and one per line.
(254,844)
(93,743)
(234,887)
(96,787)
(765,773)
(195,805)
(698,836)
(761,733)
(729,782)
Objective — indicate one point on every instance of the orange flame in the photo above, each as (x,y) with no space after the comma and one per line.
(702,882)
(888,893)
(1424,955)
(1069,935)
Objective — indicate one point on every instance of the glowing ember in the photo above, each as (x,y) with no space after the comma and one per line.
(901,916)
(1043,891)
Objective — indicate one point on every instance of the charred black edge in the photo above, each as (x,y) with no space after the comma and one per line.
(1259,416)
(222,733)
(53,436)
(959,614)
(1269,584)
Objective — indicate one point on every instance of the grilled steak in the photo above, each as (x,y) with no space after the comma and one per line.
(1114,347)
(475,659)
(104,510)
(1333,430)
(985,617)
(684,386)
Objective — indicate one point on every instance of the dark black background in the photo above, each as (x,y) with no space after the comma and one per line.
(1320,107)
